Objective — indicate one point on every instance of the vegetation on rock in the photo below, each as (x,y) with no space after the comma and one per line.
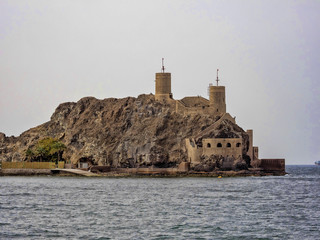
(47,149)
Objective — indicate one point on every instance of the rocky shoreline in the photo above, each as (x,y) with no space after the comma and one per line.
(118,174)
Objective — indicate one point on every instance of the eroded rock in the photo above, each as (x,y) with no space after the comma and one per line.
(127,132)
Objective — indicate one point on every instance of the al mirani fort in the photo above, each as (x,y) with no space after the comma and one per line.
(148,135)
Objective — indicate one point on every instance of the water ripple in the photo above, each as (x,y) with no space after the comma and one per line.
(158,208)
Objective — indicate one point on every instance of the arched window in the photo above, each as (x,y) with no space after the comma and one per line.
(208,145)
(238,144)
(219,145)
(228,144)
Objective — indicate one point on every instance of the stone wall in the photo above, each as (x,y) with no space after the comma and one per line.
(30,165)
(255,152)
(273,165)
(250,149)
(226,147)
(182,108)
(193,151)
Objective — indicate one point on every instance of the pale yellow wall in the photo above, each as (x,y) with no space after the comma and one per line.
(193,151)
(200,106)
(31,165)
(250,150)
(210,147)
(228,117)
(255,152)
(182,109)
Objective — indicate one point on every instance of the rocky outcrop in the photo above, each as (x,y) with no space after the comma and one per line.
(127,132)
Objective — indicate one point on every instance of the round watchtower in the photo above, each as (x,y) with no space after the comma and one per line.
(217,97)
(163,85)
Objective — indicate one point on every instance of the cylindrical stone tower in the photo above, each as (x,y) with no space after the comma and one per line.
(163,86)
(217,98)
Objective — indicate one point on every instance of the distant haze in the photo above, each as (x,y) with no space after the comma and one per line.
(267,52)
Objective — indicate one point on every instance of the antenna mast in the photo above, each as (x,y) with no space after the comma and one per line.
(162,69)
(217,77)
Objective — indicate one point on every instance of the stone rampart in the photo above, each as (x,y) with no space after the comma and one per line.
(226,147)
(31,165)
(273,165)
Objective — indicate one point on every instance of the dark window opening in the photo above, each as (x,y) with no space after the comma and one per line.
(219,145)
(208,145)
(238,144)
(228,144)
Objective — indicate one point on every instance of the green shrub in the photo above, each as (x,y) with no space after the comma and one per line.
(47,149)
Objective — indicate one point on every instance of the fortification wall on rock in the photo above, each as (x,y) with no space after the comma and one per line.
(181,108)
(255,152)
(276,164)
(226,147)
(193,151)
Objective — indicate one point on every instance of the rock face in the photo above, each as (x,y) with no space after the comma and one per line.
(128,132)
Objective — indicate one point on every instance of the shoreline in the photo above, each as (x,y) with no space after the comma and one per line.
(118,174)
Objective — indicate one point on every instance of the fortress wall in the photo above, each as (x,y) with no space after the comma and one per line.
(273,164)
(195,110)
(195,101)
(255,152)
(228,117)
(180,107)
(193,151)
(31,165)
(210,146)
(250,150)
(183,109)
(151,170)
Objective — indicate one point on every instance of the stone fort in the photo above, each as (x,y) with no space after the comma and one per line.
(228,148)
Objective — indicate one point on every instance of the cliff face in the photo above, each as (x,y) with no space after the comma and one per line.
(126,132)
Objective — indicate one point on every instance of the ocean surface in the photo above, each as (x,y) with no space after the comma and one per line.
(286,207)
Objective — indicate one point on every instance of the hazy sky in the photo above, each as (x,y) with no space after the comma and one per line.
(268,53)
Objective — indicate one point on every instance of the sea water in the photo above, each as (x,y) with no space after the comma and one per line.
(286,207)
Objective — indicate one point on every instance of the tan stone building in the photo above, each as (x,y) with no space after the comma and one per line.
(216,106)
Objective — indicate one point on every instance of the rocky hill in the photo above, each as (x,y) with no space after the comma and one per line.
(127,132)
